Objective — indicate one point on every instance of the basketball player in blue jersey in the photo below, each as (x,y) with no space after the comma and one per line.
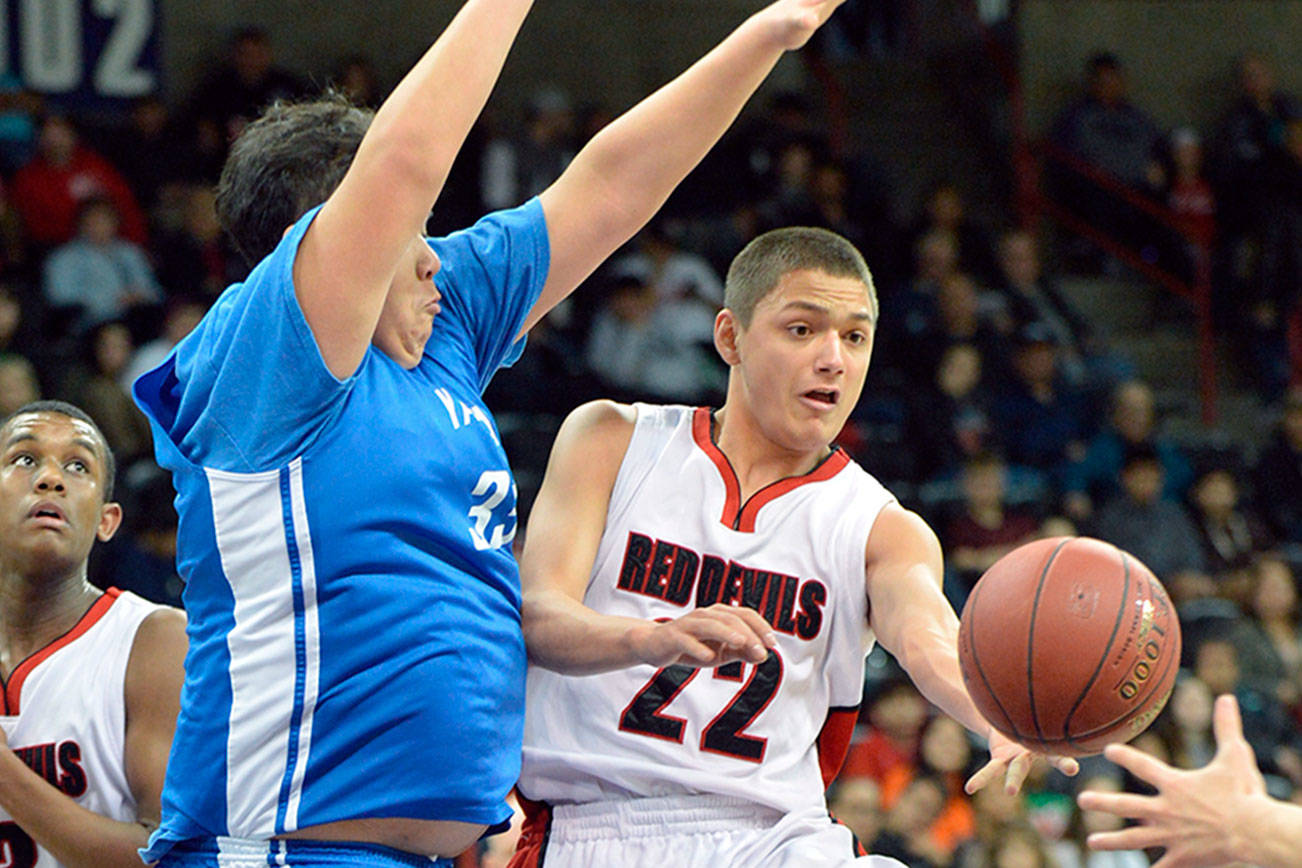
(355,682)
(91,678)
(651,519)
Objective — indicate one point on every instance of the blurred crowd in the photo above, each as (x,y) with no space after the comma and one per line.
(993,407)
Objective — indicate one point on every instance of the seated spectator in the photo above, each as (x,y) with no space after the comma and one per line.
(96,389)
(245,83)
(50,190)
(180,315)
(945,754)
(516,167)
(896,715)
(906,829)
(18,110)
(951,420)
(1231,534)
(1273,605)
(196,258)
(673,273)
(18,384)
(986,530)
(152,150)
(1133,422)
(1185,725)
(946,213)
(99,274)
(1044,420)
(1277,476)
(909,314)
(855,802)
(995,810)
(645,346)
(1155,530)
(1188,192)
(1019,846)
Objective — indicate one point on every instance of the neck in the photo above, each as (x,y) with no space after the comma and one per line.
(35,611)
(756,459)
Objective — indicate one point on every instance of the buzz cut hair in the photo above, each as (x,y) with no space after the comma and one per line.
(63,408)
(756,270)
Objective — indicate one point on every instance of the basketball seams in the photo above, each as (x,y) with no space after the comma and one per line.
(1030,639)
(1103,659)
(976,660)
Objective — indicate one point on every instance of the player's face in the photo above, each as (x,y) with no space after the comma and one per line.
(803,358)
(410,307)
(52,505)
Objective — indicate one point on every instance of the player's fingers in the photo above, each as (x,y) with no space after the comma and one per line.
(1065,764)
(1018,769)
(984,775)
(708,628)
(740,633)
(757,624)
(1128,805)
(1132,838)
(1226,722)
(695,651)
(1139,763)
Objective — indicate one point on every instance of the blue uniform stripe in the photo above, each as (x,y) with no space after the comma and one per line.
(300,648)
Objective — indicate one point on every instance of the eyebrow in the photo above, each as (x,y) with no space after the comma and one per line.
(861,314)
(22,436)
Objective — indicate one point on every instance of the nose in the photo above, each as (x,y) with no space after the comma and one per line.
(428,264)
(831,355)
(49,478)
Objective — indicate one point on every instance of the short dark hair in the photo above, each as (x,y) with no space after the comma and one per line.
(287,161)
(63,408)
(755,272)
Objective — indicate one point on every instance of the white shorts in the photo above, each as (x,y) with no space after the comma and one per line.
(689,831)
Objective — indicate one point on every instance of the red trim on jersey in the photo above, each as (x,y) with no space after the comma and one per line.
(14,686)
(532,846)
(701,424)
(741,516)
(834,741)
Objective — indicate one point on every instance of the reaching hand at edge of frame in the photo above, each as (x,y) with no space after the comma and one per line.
(794,21)
(1013,762)
(711,636)
(1196,815)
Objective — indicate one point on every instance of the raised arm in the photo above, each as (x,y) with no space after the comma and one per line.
(623,176)
(913,620)
(76,837)
(356,243)
(565,529)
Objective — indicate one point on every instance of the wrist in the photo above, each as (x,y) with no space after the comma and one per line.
(637,641)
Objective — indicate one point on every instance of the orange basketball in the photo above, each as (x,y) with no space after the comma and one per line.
(1069,644)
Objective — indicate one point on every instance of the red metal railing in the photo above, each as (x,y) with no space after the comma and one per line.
(1033,202)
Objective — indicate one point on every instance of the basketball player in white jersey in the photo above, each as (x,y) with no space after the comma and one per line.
(91,679)
(669,539)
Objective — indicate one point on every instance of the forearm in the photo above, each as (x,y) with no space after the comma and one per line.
(566,636)
(429,114)
(636,161)
(1269,832)
(76,837)
(929,653)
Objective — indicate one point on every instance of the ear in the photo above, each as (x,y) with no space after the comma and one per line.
(110,519)
(726,331)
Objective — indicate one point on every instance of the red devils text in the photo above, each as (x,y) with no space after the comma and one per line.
(678,575)
(60,764)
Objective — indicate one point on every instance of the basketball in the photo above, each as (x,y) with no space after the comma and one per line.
(1069,644)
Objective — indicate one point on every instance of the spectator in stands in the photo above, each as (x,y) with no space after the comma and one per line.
(1231,534)
(1185,725)
(908,315)
(18,384)
(143,558)
(1043,419)
(674,273)
(791,202)
(646,346)
(99,274)
(995,810)
(856,803)
(1072,853)
(1140,521)
(50,190)
(356,78)
(963,316)
(18,110)
(1273,604)
(1019,846)
(18,334)
(1188,192)
(196,258)
(896,715)
(181,314)
(906,834)
(951,420)
(1029,296)
(945,212)
(1132,423)
(944,754)
(517,167)
(1278,474)
(245,83)
(152,151)
(987,529)
(96,389)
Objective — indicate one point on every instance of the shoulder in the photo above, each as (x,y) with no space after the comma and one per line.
(901,534)
(600,423)
(157,655)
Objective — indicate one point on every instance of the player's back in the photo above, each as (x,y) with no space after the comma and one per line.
(65,716)
(678,536)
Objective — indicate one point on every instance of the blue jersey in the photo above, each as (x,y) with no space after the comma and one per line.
(354,607)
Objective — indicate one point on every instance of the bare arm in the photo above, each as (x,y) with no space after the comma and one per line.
(565,530)
(1217,815)
(351,252)
(76,837)
(913,620)
(623,176)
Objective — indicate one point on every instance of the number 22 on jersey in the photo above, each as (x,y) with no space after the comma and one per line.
(726,733)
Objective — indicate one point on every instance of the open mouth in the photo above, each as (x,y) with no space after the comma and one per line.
(49,512)
(823,396)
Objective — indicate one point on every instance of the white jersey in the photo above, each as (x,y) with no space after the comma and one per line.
(678,536)
(65,716)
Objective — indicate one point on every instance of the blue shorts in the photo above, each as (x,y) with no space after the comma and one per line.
(243,853)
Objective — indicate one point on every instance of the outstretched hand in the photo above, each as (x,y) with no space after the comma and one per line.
(794,21)
(1192,815)
(1012,762)
(711,636)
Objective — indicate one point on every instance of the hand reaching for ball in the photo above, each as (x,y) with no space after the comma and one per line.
(1010,760)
